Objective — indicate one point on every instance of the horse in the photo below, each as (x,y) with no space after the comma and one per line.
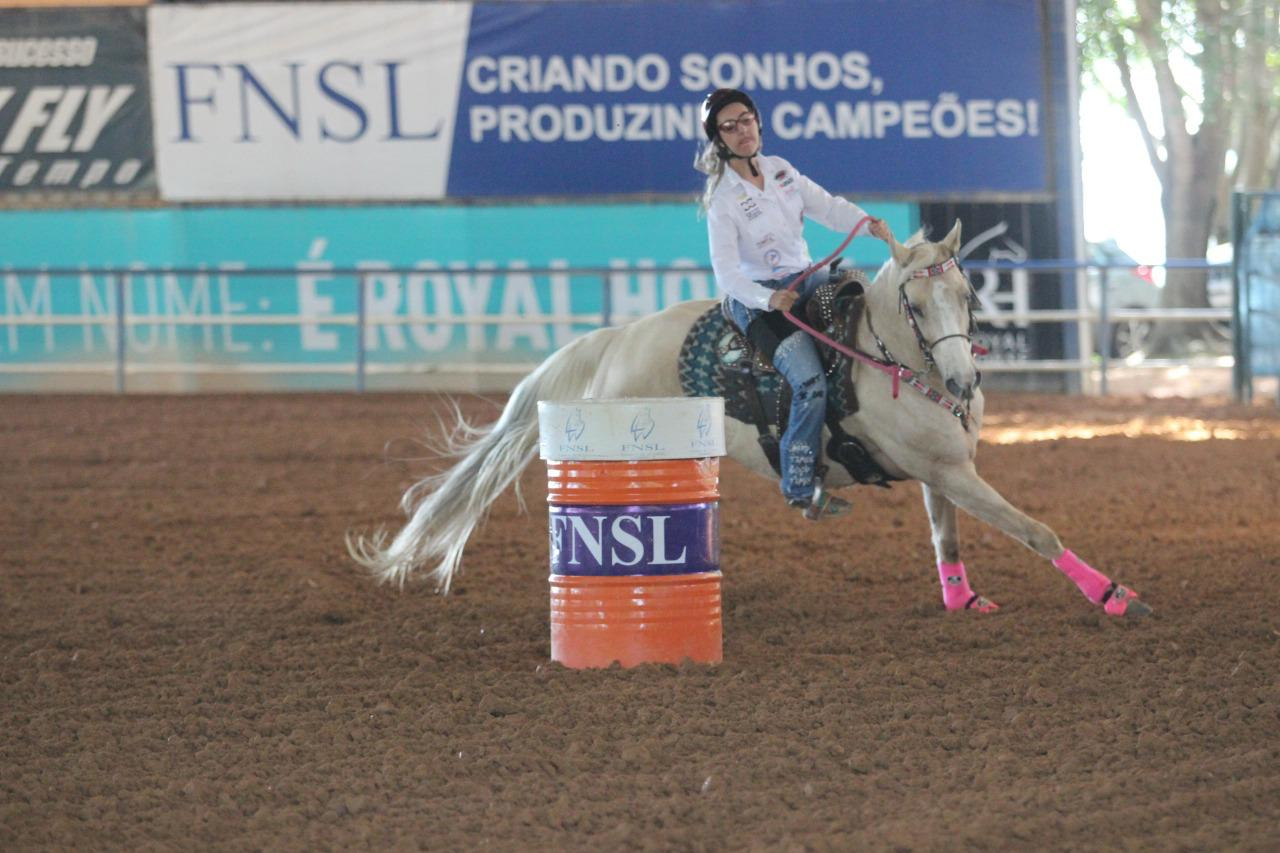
(918,318)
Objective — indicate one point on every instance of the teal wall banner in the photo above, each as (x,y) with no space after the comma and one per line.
(195,290)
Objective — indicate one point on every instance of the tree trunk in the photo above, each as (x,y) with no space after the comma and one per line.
(1189,201)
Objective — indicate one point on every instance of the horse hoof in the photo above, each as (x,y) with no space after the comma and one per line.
(1122,601)
(1138,609)
(978,604)
(982,604)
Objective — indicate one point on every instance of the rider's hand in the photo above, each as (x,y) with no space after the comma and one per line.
(783,300)
(880,228)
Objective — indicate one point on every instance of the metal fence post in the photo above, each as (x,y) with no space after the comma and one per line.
(361,286)
(606,301)
(117,286)
(1241,370)
(1104,328)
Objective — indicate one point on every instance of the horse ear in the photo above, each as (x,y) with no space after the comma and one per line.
(952,241)
(901,254)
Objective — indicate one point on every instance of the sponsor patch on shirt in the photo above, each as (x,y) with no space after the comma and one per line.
(750,208)
(773,258)
(784,179)
(765,240)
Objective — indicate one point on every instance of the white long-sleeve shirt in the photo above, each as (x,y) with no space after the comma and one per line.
(757,235)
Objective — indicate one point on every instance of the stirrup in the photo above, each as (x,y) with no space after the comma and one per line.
(823,505)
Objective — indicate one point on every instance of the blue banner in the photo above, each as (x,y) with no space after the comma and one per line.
(910,97)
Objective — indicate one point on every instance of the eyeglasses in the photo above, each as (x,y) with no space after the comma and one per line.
(746,121)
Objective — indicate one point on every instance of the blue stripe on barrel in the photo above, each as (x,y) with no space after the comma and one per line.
(653,539)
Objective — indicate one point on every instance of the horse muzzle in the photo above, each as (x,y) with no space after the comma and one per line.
(965,391)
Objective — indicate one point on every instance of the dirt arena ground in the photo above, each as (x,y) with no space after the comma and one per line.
(188,659)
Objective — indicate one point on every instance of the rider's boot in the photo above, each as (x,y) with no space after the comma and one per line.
(822,505)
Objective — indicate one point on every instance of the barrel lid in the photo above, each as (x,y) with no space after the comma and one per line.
(631,428)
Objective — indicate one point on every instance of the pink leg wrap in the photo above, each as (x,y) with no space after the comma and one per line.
(955,585)
(1092,582)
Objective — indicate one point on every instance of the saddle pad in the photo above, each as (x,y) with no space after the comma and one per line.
(712,346)
(715,361)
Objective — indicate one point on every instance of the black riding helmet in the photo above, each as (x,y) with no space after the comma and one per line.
(711,106)
(719,99)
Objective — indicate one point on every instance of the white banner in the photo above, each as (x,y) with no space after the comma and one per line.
(327,101)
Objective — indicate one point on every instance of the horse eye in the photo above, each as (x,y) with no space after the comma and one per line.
(919,311)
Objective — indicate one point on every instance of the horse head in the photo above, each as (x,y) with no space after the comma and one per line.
(936,301)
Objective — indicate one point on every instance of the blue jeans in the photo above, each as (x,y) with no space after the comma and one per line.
(797,360)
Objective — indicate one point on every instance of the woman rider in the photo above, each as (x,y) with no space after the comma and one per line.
(755,212)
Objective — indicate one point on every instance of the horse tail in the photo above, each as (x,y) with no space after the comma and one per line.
(444,509)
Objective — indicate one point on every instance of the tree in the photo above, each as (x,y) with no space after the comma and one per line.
(1216,67)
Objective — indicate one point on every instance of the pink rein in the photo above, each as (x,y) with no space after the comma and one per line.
(895,371)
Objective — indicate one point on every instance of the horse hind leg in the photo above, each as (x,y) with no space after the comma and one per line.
(975,496)
(956,592)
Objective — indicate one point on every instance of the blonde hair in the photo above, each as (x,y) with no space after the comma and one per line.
(710,163)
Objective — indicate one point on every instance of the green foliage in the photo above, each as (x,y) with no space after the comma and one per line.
(1217,59)
(1216,69)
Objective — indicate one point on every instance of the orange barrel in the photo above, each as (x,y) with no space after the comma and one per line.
(634,493)
(655,481)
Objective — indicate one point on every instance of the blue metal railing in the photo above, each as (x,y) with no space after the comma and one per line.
(1101,318)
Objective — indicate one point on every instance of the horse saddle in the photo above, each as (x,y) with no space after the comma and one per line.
(718,360)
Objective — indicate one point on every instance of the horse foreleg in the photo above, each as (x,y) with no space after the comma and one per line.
(956,593)
(970,492)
